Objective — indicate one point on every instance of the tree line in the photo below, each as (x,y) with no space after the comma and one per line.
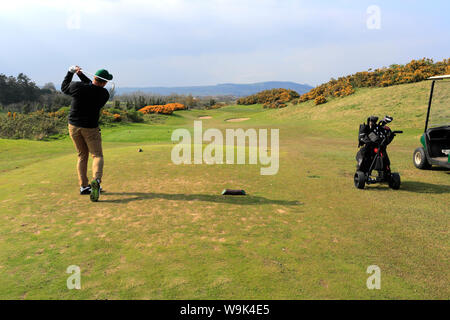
(138,100)
(20,94)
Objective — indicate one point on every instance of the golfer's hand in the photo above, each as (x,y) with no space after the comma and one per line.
(73,69)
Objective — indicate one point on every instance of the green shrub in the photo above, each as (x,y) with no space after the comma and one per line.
(41,125)
(114,110)
(65,110)
(106,118)
(135,116)
(37,125)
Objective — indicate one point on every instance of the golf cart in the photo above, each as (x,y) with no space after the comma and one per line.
(435,149)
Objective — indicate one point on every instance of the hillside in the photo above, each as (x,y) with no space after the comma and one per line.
(164,231)
(232,89)
(407,103)
(414,71)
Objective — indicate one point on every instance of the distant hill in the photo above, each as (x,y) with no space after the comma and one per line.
(237,90)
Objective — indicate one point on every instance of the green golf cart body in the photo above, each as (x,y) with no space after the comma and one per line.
(435,149)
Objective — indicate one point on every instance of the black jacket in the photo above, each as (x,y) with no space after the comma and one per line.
(87,100)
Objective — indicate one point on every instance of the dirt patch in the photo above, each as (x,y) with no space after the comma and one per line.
(205,117)
(237,119)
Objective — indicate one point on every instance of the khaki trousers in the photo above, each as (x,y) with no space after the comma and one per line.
(87,140)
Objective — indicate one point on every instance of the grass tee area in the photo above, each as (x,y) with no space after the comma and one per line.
(163,231)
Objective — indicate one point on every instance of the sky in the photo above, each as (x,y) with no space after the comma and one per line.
(206,42)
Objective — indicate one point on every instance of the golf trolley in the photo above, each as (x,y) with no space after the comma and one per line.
(373,156)
(435,149)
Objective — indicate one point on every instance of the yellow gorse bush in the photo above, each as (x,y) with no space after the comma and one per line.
(414,71)
(268,97)
(163,109)
(59,113)
(319,100)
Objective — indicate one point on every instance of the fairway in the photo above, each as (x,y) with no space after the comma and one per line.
(164,231)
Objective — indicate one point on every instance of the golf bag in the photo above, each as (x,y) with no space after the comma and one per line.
(371,140)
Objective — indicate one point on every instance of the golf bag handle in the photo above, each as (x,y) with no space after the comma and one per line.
(397,131)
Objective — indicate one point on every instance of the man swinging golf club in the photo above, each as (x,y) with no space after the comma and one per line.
(88,98)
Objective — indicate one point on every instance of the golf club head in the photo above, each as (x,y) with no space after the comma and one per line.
(112,89)
(388,119)
(373,119)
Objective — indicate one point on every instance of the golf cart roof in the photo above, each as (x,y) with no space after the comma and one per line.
(440,77)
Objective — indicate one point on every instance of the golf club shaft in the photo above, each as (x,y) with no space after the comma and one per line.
(84,71)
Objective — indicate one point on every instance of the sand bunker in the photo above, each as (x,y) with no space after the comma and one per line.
(237,119)
(205,117)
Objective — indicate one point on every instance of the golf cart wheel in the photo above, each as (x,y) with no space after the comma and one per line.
(420,159)
(394,181)
(360,179)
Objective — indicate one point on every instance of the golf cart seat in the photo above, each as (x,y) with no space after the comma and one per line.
(446,158)
(439,140)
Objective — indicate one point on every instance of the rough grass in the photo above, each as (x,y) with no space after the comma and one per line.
(163,231)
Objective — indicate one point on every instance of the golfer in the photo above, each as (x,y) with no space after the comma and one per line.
(88,98)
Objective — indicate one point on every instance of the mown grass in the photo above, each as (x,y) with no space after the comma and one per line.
(163,231)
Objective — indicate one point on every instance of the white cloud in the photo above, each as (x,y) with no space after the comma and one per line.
(176,42)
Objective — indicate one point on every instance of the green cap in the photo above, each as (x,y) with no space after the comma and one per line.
(102,73)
